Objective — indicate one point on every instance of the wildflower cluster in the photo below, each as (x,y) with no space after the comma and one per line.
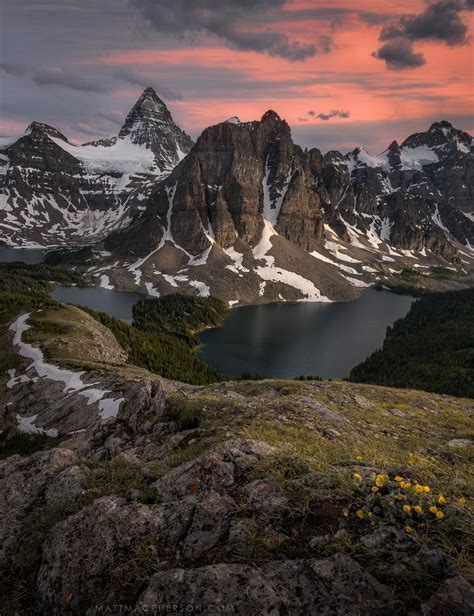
(399,500)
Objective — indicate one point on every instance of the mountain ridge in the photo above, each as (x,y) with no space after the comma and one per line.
(246,214)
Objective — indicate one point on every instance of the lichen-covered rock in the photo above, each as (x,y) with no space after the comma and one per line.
(336,585)
(66,486)
(215,470)
(210,525)
(77,562)
(22,484)
(455,597)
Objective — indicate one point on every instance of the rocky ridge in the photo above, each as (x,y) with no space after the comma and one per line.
(242,495)
(250,217)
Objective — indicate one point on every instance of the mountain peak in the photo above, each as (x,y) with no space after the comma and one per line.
(150,124)
(270,116)
(45,129)
(441,124)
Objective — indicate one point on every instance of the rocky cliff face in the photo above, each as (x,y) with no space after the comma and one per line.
(249,216)
(182,495)
(54,192)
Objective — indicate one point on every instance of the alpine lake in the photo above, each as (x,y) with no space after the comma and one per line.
(283,340)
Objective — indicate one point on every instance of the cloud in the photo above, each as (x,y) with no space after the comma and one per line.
(440,22)
(113,116)
(144,81)
(399,54)
(55,76)
(10,68)
(228,20)
(335,113)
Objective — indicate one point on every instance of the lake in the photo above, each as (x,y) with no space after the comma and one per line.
(288,340)
(272,340)
(114,303)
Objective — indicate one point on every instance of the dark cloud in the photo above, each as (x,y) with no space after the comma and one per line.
(441,21)
(228,20)
(55,76)
(10,68)
(399,54)
(144,81)
(335,113)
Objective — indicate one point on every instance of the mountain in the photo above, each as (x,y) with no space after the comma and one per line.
(250,217)
(54,192)
(245,214)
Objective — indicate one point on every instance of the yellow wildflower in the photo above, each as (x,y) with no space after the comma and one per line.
(406,508)
(418,509)
(405,485)
(359,458)
(408,529)
(357,476)
(370,514)
(462,500)
(345,514)
(360,513)
(426,489)
(439,515)
(379,481)
(374,489)
(441,500)
(433,509)
(398,478)
(419,488)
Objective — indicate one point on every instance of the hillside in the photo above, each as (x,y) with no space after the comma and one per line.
(276,497)
(432,348)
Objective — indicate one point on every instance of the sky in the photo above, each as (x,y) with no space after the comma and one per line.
(342,73)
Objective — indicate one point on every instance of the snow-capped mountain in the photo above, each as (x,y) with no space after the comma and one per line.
(249,217)
(53,192)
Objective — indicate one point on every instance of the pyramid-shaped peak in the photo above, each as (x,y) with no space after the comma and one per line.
(41,128)
(151,125)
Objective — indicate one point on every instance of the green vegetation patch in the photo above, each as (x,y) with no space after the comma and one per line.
(432,348)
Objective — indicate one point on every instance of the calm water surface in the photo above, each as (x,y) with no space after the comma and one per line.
(287,340)
(114,303)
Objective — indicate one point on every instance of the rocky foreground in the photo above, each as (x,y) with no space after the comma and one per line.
(269,497)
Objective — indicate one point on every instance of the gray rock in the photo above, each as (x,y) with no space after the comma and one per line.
(455,597)
(22,484)
(66,486)
(215,470)
(78,556)
(263,496)
(209,525)
(334,586)
(460,443)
